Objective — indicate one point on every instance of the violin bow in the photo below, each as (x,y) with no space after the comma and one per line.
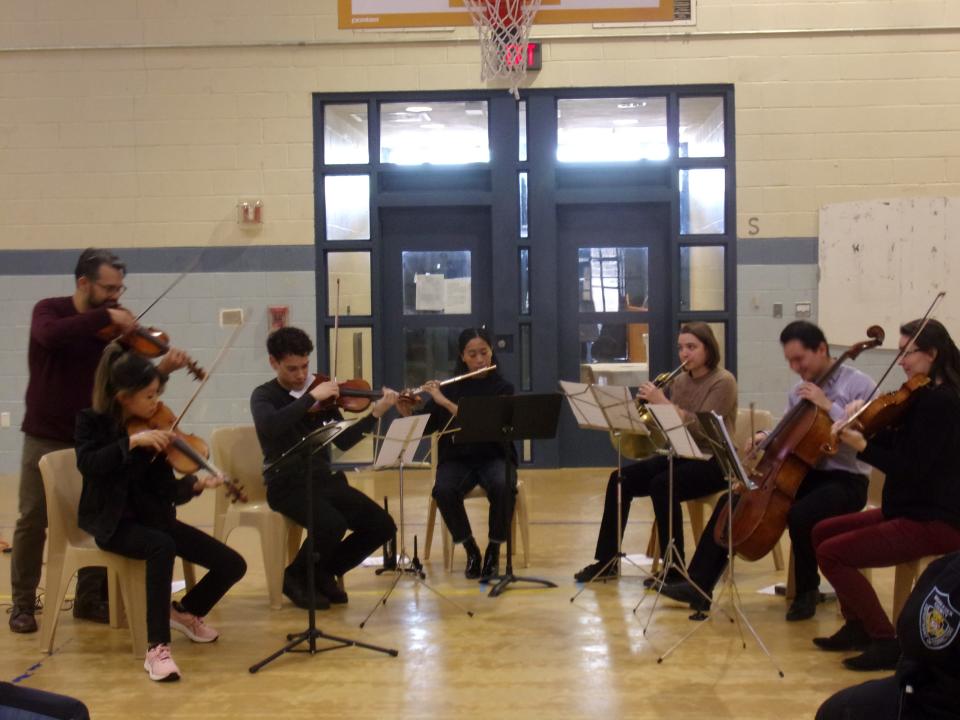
(228,343)
(903,351)
(171,286)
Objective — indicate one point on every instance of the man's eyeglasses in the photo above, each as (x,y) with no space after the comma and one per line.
(112,289)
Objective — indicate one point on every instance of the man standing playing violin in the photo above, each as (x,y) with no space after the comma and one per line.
(837,485)
(282,415)
(63,355)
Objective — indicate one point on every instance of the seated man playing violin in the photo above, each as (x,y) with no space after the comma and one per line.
(836,485)
(284,413)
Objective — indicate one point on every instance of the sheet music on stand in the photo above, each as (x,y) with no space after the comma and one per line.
(401,441)
(726,451)
(675,429)
(604,407)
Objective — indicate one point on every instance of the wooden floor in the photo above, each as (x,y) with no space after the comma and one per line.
(529,653)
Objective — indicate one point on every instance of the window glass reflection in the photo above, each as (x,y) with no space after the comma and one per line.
(436,282)
(440,133)
(702,277)
(345,134)
(613,279)
(612,129)
(701,127)
(702,200)
(347,199)
(352,269)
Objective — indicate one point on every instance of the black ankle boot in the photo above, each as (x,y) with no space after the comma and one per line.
(851,636)
(472,570)
(881,654)
(491,561)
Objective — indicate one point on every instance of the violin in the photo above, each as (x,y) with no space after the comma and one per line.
(187,453)
(149,342)
(878,413)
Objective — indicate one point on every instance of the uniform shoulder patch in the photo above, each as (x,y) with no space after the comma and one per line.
(939,620)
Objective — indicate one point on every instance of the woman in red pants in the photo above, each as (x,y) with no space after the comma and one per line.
(920,511)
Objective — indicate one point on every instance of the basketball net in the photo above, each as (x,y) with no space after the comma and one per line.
(504,28)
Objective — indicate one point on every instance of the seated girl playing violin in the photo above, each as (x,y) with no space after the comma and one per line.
(462,467)
(128,504)
(920,511)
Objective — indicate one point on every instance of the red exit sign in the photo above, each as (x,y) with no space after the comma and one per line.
(516,54)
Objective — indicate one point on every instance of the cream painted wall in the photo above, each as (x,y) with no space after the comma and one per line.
(151,145)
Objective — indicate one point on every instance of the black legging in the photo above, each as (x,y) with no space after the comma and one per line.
(691,479)
(160,547)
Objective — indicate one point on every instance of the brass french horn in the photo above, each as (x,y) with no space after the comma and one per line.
(641,447)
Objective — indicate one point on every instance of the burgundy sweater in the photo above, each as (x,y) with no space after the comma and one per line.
(63,356)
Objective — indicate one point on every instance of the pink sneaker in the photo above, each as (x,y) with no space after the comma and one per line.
(160,665)
(192,626)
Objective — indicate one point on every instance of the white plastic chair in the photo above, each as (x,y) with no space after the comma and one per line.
(69,548)
(236,451)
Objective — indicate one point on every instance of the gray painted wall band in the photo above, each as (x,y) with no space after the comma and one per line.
(285,258)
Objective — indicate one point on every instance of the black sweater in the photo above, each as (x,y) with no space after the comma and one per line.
(918,456)
(282,421)
(929,635)
(491,384)
(119,482)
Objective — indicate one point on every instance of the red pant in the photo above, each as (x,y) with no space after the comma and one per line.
(846,543)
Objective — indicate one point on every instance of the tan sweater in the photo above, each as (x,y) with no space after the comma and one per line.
(716,391)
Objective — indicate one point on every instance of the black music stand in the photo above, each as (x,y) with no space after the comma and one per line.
(305,450)
(503,419)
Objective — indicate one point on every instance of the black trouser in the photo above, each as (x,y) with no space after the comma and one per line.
(822,494)
(160,546)
(337,507)
(873,700)
(691,479)
(455,478)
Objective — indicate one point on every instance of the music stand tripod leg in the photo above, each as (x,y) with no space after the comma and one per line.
(620,556)
(312,633)
(409,566)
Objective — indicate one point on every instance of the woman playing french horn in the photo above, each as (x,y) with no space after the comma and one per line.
(703,386)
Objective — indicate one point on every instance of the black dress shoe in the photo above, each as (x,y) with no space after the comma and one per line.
(491,561)
(327,585)
(472,570)
(880,654)
(22,621)
(592,571)
(673,577)
(97,611)
(686,593)
(297,594)
(804,606)
(851,636)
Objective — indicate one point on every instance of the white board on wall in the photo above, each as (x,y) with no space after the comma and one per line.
(883,261)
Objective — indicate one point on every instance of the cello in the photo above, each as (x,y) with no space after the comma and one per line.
(778,465)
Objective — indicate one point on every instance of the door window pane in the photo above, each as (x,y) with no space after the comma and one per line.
(701,127)
(347,200)
(702,277)
(441,133)
(436,282)
(345,134)
(612,129)
(702,200)
(352,269)
(526,357)
(429,354)
(613,279)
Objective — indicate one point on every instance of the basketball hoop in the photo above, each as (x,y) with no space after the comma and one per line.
(504,28)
